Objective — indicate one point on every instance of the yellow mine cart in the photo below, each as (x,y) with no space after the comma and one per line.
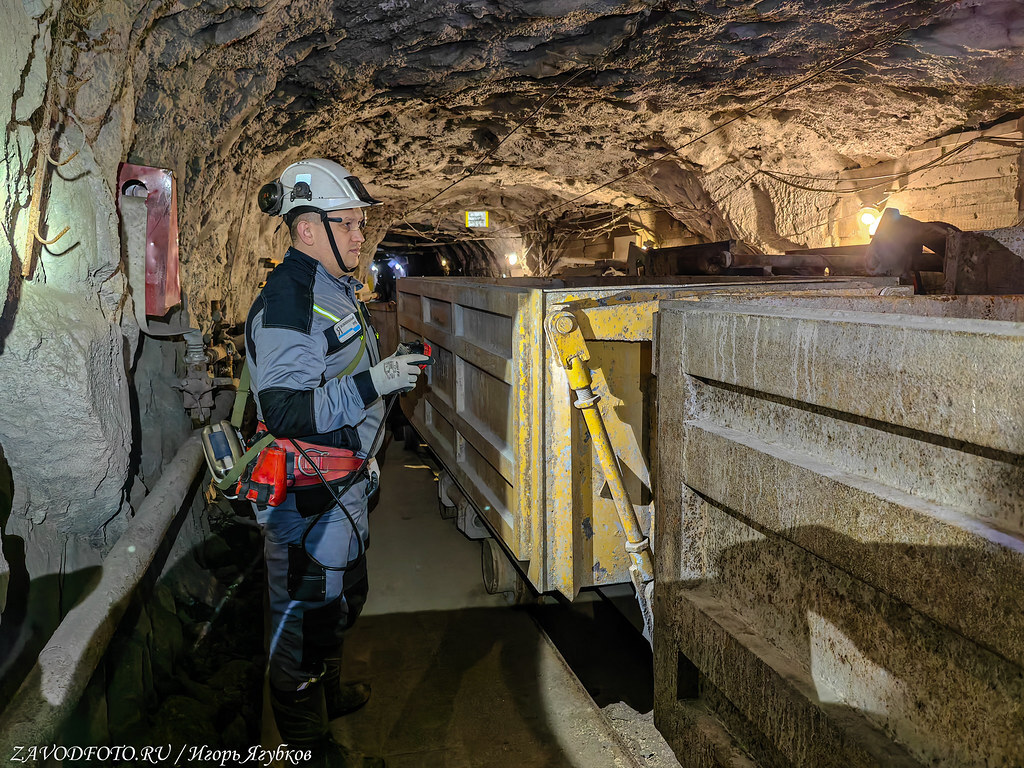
(539,406)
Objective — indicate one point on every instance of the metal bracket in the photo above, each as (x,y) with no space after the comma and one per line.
(39,238)
(35,207)
(44,159)
(467,519)
(470,525)
(60,163)
(565,336)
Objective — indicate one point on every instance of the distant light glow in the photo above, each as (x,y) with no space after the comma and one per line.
(512,258)
(397,268)
(375,268)
(869,217)
(444,262)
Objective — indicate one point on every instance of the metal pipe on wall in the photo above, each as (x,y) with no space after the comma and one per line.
(56,682)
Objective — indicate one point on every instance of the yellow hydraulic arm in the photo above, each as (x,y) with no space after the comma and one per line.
(567,340)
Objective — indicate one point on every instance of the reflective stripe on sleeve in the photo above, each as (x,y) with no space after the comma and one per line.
(325,313)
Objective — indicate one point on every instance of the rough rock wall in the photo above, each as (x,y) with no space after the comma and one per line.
(70,418)
(410,96)
(65,337)
(6,494)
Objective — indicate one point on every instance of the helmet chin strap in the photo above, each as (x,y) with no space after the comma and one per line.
(334,246)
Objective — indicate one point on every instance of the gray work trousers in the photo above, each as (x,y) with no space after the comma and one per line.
(311,607)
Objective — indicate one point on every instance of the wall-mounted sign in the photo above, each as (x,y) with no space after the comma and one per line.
(477,219)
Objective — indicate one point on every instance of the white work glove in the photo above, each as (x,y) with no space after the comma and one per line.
(397,373)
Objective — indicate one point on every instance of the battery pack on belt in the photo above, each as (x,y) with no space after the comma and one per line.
(265,484)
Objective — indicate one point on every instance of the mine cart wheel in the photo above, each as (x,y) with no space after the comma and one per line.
(501,577)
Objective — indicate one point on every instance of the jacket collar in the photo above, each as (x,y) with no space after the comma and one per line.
(308,262)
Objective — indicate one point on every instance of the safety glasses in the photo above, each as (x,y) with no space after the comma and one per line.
(350,226)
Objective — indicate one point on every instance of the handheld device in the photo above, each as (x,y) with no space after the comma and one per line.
(417,348)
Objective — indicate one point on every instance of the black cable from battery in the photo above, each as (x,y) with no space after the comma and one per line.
(337,498)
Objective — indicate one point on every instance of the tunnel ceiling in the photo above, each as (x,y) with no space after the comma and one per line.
(412,95)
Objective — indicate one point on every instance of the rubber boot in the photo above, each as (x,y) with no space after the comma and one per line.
(342,698)
(302,722)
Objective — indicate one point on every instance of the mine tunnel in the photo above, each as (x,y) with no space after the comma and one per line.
(713,456)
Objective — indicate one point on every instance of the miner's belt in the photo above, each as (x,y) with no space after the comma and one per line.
(335,464)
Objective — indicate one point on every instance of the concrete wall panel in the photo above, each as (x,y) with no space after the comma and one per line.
(900,369)
(839,549)
(922,683)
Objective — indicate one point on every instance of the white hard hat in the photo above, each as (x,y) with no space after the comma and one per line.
(314,185)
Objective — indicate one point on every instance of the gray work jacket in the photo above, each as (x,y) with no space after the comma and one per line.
(304,329)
